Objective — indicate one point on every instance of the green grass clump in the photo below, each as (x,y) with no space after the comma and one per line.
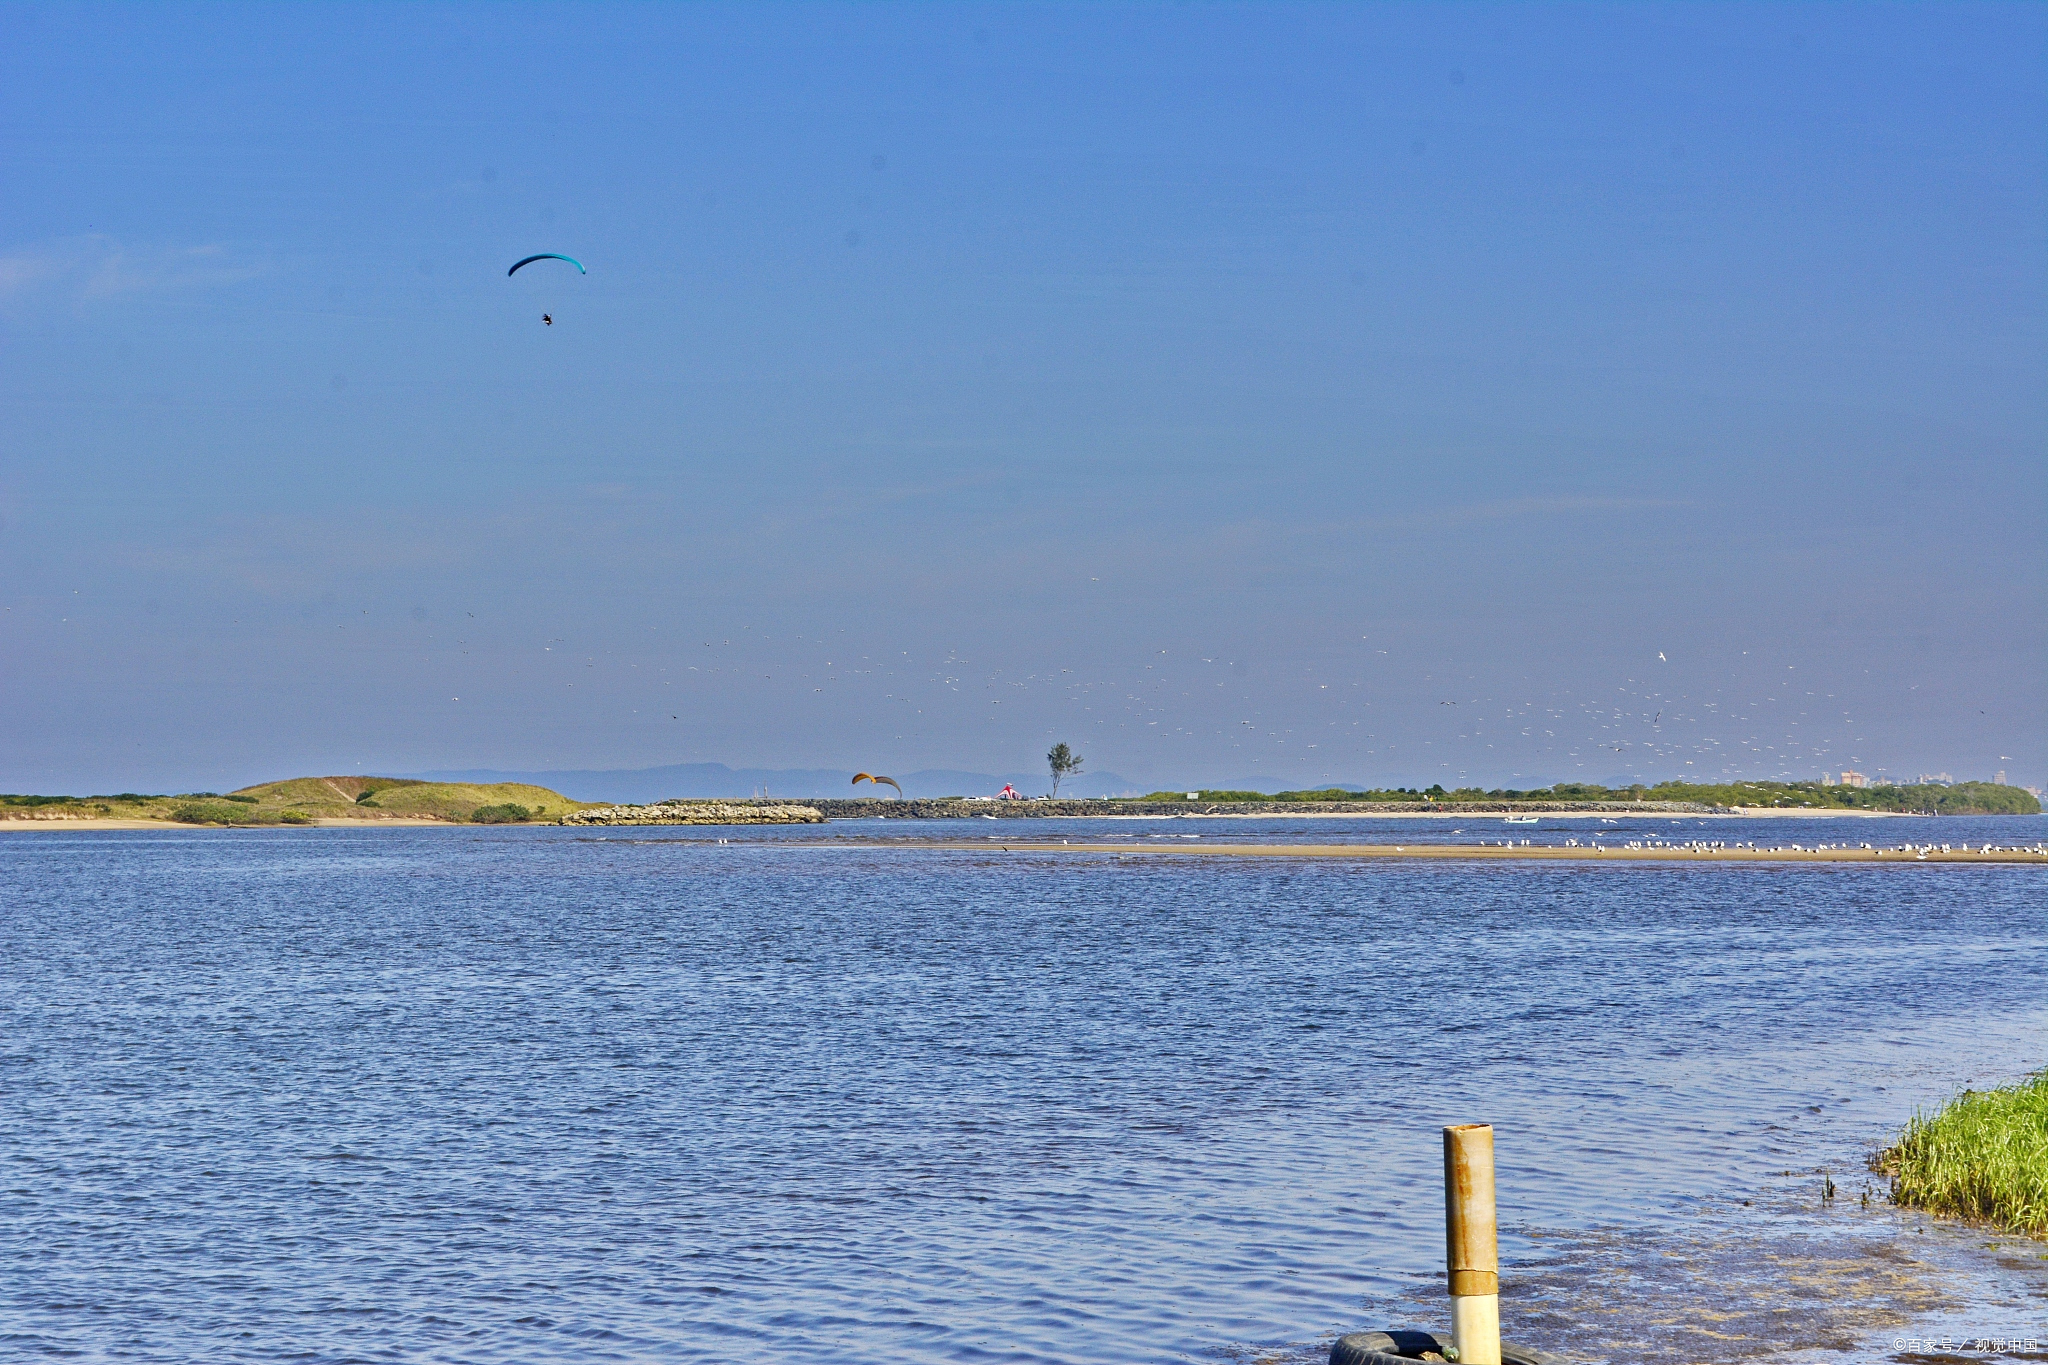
(507,814)
(1982,1157)
(220,811)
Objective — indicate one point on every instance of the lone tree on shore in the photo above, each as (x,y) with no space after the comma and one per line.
(1064,762)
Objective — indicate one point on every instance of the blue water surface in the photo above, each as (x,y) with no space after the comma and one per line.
(514,1094)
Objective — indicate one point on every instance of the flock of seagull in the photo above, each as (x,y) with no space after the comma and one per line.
(1357,714)
(1368,716)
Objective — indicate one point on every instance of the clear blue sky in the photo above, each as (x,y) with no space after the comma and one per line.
(1221,389)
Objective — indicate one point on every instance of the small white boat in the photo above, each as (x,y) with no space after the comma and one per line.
(1523,819)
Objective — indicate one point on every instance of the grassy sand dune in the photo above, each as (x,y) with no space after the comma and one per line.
(1982,1157)
(306,801)
(358,798)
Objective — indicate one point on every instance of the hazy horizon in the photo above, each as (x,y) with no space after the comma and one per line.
(1492,395)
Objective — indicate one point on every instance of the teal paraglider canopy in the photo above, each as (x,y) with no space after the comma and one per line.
(548,256)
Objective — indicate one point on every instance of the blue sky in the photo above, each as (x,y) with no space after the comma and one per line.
(1227,391)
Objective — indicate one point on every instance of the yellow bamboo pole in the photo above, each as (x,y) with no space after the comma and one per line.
(1472,1243)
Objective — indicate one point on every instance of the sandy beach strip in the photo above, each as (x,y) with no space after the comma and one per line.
(1544,853)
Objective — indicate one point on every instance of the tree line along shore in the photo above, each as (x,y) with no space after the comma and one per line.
(1923,798)
(369,800)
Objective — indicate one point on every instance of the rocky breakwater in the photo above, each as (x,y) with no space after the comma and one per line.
(697,813)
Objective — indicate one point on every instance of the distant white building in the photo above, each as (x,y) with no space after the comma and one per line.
(1854,780)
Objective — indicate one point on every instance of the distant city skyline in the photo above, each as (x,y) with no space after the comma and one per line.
(1487,395)
(1877,777)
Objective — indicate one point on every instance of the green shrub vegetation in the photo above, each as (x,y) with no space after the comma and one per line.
(1932,798)
(1982,1157)
(1212,795)
(507,814)
(124,798)
(220,811)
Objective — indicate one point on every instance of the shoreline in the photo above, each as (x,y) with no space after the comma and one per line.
(964,808)
(1767,812)
(1487,816)
(1552,853)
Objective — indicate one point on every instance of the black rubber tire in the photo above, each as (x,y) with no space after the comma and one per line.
(1402,1348)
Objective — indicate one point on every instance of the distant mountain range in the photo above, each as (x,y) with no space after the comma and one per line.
(715,779)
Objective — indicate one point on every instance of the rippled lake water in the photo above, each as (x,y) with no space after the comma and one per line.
(544,1094)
